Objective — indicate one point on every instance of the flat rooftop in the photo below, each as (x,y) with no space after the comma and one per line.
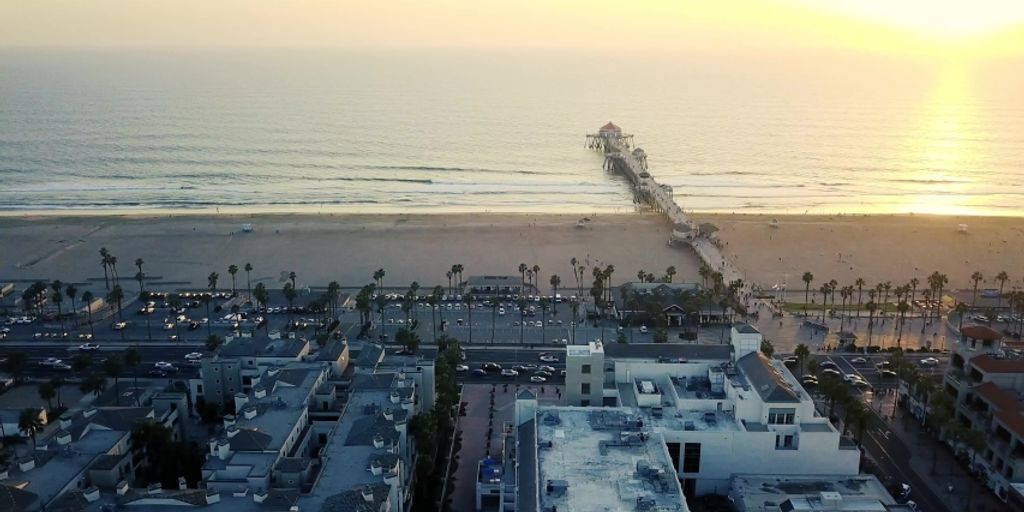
(860,492)
(598,459)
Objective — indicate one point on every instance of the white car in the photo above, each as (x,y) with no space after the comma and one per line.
(118,326)
(858,360)
(50,361)
(831,371)
(461,368)
(930,361)
(191,356)
(509,373)
(643,329)
(164,366)
(88,346)
(501,311)
(545,369)
(168,326)
(537,379)
(548,358)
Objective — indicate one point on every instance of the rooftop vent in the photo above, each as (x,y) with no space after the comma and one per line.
(557,487)
(367,493)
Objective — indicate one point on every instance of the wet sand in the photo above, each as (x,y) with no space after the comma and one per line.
(876,248)
(184,249)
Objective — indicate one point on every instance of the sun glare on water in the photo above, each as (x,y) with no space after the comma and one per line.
(937,18)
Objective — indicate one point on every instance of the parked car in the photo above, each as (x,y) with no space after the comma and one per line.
(479,372)
(461,368)
(88,347)
(193,355)
(832,371)
(509,373)
(887,373)
(50,361)
(491,367)
(548,358)
(118,326)
(930,361)
(165,366)
(643,329)
(859,360)
(537,379)
(157,373)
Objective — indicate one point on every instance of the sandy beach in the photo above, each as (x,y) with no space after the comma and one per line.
(876,248)
(182,250)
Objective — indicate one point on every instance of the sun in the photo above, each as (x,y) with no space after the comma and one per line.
(952,19)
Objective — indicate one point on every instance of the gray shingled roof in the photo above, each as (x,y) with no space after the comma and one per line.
(667,350)
(765,378)
(293,464)
(13,499)
(248,440)
(352,500)
(365,429)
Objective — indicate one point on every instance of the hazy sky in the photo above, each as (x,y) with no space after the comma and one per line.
(888,26)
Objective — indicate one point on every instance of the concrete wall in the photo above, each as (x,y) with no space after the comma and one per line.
(575,362)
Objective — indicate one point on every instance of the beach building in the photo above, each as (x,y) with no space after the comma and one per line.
(667,421)
(634,301)
(491,286)
(985,378)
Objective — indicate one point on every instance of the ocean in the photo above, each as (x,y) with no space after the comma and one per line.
(501,131)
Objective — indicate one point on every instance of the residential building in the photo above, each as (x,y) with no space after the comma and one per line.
(846,493)
(712,411)
(985,378)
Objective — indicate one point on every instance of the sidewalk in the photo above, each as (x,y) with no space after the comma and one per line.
(948,471)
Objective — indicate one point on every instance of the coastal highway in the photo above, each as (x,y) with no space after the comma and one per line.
(151,353)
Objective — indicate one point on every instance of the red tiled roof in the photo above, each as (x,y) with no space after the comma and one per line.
(989,364)
(610,127)
(1009,409)
(980,332)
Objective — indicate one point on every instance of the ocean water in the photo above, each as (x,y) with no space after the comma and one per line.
(402,131)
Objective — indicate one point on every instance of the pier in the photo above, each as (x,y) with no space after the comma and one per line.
(622,156)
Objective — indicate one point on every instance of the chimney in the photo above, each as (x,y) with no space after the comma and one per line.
(259,496)
(212,497)
(249,412)
(378,441)
(240,400)
(375,468)
(65,421)
(367,493)
(91,494)
(232,431)
(223,449)
(154,489)
(182,483)
(395,397)
(89,413)
(259,391)
(27,464)
(389,415)
(122,488)
(63,437)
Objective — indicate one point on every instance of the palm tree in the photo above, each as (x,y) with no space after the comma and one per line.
(807,278)
(112,261)
(902,308)
(211,282)
(976,277)
(290,294)
(536,277)
(58,298)
(859,283)
(899,365)
(825,288)
(116,296)
(47,392)
(871,307)
(1002,277)
(961,312)
(670,272)
(913,289)
(72,292)
(87,299)
(936,281)
(292,276)
(233,269)
(105,261)
(132,359)
(248,279)
(433,300)
(140,275)
(58,383)
(494,317)
(846,292)
(802,354)
(29,423)
(522,274)
(555,281)
(333,288)
(976,441)
(458,270)
(449,274)
(114,368)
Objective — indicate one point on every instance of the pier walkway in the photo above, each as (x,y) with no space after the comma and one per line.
(622,157)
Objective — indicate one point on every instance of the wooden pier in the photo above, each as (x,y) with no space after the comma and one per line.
(623,157)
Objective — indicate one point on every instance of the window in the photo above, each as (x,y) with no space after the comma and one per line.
(787,442)
(673,452)
(199,389)
(585,369)
(585,403)
(781,416)
(691,458)
(585,388)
